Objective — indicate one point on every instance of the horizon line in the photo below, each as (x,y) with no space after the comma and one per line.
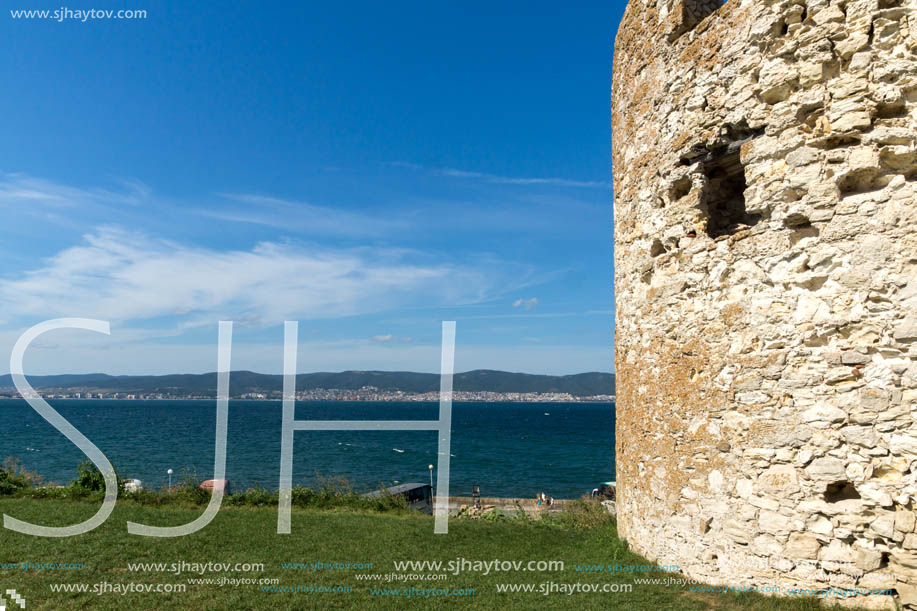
(160,375)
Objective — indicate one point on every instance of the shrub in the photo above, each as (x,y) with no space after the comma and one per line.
(14,477)
(331,492)
(189,490)
(90,479)
(253,497)
(302,497)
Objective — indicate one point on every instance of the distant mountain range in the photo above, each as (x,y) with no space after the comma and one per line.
(241,382)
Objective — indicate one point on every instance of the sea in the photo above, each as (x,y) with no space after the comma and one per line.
(509,449)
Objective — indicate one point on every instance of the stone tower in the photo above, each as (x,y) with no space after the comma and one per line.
(765,178)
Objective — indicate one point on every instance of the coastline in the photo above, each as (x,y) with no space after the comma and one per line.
(540,401)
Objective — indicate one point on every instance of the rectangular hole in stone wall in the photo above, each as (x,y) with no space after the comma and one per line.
(841,491)
(892,110)
(724,194)
(689,13)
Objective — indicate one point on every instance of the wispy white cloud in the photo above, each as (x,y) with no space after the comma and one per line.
(390,338)
(24,190)
(507,180)
(526,304)
(301,217)
(119,275)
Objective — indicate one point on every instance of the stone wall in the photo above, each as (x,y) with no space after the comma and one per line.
(765,175)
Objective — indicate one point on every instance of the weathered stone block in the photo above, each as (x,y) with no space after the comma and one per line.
(907,593)
(884,524)
(826,469)
(907,329)
(852,121)
(868,559)
(778,480)
(905,520)
(837,553)
(801,545)
(737,531)
(854,358)
(903,444)
(910,542)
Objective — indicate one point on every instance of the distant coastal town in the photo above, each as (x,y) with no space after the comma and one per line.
(366,393)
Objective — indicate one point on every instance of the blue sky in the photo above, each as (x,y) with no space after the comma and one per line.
(369,170)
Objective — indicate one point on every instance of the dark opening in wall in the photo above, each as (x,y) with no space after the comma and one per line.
(891,110)
(724,194)
(688,13)
(840,491)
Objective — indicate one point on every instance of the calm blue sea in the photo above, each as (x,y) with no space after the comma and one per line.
(510,449)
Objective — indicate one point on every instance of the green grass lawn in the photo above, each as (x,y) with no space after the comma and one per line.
(248,535)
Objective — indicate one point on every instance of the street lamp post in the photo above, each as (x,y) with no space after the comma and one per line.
(170,479)
(431,475)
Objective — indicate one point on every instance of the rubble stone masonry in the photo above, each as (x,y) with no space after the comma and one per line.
(765,175)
